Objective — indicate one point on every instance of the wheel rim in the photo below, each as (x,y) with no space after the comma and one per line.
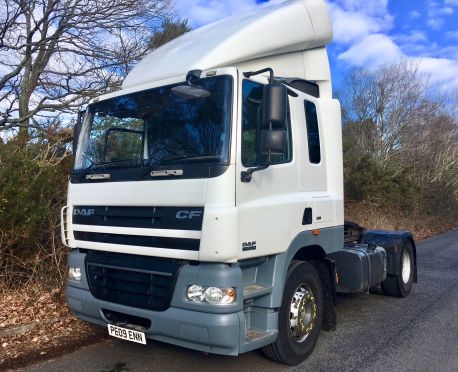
(406,269)
(303,312)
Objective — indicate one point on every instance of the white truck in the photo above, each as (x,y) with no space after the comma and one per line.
(206,208)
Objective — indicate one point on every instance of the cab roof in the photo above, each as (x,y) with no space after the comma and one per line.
(292,26)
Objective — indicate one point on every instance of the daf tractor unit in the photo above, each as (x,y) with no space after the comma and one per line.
(206,205)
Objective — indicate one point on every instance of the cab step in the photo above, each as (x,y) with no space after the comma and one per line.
(255,338)
(253,290)
(252,335)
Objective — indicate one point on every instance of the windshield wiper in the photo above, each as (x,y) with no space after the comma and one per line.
(106,162)
(153,171)
(190,158)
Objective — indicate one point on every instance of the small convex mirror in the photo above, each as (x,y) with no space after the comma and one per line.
(273,141)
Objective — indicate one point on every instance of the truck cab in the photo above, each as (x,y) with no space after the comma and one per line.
(205,208)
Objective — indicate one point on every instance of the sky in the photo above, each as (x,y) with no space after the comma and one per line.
(369,33)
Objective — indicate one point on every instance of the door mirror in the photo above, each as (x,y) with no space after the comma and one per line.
(275,106)
(273,141)
(77,130)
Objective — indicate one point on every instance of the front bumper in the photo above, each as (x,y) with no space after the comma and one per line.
(208,328)
(215,333)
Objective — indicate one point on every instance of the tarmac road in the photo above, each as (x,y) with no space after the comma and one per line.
(374,332)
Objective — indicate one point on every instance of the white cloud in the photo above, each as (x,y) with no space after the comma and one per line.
(414,14)
(351,26)
(353,20)
(415,42)
(372,8)
(372,51)
(438,12)
(363,30)
(201,12)
(452,34)
(416,36)
(435,23)
(442,71)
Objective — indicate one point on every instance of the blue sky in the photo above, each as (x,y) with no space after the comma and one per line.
(370,32)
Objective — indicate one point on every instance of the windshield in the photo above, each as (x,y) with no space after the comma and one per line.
(170,125)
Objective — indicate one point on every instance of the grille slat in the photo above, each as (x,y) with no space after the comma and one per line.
(126,287)
(131,277)
(140,217)
(139,240)
(132,280)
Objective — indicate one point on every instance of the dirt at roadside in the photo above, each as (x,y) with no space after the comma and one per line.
(37,325)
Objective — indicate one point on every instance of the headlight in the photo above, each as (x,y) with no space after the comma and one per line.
(195,293)
(74,273)
(212,295)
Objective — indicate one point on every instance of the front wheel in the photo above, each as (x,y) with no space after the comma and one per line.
(299,317)
(400,285)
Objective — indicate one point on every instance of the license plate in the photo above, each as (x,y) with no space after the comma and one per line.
(127,334)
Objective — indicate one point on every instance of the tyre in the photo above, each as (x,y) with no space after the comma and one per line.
(400,285)
(299,317)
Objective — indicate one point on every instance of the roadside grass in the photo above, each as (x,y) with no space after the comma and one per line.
(422,226)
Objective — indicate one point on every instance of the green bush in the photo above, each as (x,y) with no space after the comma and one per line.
(366,179)
(33,182)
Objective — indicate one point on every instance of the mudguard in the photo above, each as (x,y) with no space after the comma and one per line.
(392,241)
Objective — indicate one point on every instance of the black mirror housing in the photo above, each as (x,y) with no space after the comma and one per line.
(275,106)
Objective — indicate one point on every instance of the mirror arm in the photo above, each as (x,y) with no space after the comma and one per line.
(267,69)
(245,176)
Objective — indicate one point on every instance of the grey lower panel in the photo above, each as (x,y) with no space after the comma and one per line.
(215,333)
(272,272)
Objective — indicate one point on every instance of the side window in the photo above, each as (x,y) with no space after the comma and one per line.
(313,134)
(252,100)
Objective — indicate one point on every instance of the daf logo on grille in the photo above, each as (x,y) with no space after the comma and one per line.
(83,212)
(182,215)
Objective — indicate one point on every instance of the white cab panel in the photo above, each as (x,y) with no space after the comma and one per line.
(189,193)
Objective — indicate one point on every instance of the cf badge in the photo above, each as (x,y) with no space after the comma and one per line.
(183,215)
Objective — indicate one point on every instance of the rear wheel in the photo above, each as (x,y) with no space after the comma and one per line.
(300,316)
(400,285)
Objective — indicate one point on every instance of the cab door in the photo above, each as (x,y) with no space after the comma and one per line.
(270,206)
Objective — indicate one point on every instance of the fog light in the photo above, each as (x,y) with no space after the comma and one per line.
(212,295)
(74,273)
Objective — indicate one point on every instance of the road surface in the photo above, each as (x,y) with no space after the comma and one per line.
(374,332)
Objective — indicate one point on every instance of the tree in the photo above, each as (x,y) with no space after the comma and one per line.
(383,105)
(56,54)
(400,139)
(170,30)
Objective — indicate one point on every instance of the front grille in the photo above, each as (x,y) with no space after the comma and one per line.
(177,218)
(139,240)
(136,281)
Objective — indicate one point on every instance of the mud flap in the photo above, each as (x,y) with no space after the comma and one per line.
(327,272)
